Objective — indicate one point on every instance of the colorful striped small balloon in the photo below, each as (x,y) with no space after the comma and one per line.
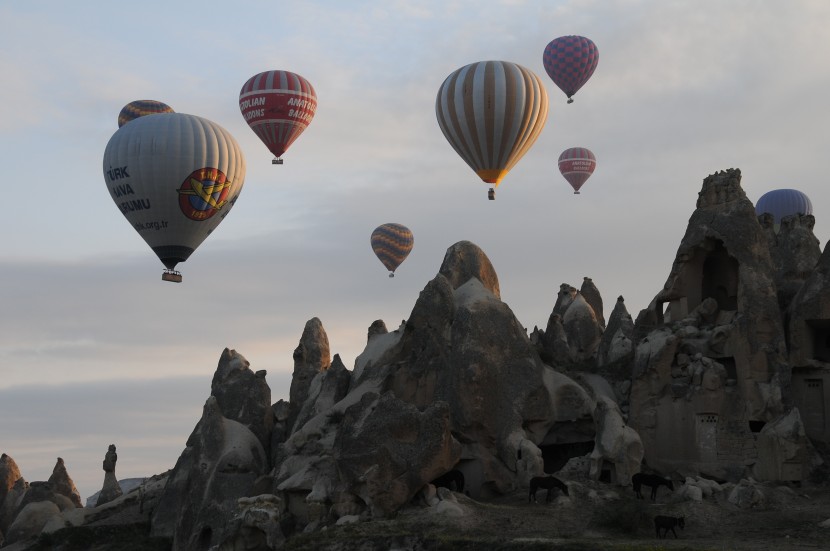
(278,106)
(141,108)
(392,244)
(570,61)
(576,165)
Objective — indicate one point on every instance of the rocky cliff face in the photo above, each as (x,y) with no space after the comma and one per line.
(710,364)
(702,382)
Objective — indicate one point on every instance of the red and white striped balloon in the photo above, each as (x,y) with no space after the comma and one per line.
(577,164)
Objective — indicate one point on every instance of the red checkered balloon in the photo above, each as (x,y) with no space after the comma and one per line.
(570,61)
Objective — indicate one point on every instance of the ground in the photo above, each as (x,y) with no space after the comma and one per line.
(597,516)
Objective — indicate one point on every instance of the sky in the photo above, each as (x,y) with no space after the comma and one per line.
(95,349)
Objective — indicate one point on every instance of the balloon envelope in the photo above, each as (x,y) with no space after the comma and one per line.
(783,202)
(392,243)
(141,108)
(174,177)
(577,164)
(278,106)
(570,61)
(491,112)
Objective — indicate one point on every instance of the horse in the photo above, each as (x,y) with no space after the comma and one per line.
(447,480)
(548,483)
(652,480)
(668,523)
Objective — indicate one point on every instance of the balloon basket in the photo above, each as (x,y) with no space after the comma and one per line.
(172,275)
(276,161)
(491,194)
(570,100)
(576,193)
(392,274)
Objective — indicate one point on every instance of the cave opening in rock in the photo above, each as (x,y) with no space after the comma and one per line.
(555,456)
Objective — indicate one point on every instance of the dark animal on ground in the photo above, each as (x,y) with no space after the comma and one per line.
(447,480)
(652,480)
(668,523)
(548,483)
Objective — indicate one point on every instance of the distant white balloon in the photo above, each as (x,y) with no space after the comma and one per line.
(174,177)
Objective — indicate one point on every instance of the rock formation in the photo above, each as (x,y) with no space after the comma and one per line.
(111,489)
(224,459)
(710,366)
(701,384)
(63,485)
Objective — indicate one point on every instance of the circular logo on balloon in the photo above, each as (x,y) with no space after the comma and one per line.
(203,193)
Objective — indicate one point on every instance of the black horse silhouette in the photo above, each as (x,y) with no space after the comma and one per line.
(447,480)
(668,523)
(652,480)
(548,483)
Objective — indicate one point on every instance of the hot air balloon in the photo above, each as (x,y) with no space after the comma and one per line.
(392,244)
(576,165)
(174,177)
(783,202)
(278,106)
(491,112)
(140,108)
(570,61)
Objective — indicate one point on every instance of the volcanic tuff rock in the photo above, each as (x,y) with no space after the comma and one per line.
(702,377)
(9,474)
(111,489)
(795,250)
(719,345)
(223,460)
(617,343)
(311,357)
(62,483)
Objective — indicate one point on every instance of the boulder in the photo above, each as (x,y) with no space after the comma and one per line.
(256,525)
(30,521)
(12,503)
(386,450)
(747,494)
(616,445)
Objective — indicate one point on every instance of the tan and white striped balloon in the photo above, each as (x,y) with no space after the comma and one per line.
(491,112)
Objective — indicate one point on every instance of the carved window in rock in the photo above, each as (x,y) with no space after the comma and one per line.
(720,278)
(814,410)
(706,432)
(820,339)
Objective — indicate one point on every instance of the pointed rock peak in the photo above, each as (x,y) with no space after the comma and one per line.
(378,327)
(721,188)
(9,474)
(466,260)
(62,483)
(592,296)
(564,298)
(337,363)
(313,351)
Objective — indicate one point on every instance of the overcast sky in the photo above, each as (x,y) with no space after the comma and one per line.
(96,349)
